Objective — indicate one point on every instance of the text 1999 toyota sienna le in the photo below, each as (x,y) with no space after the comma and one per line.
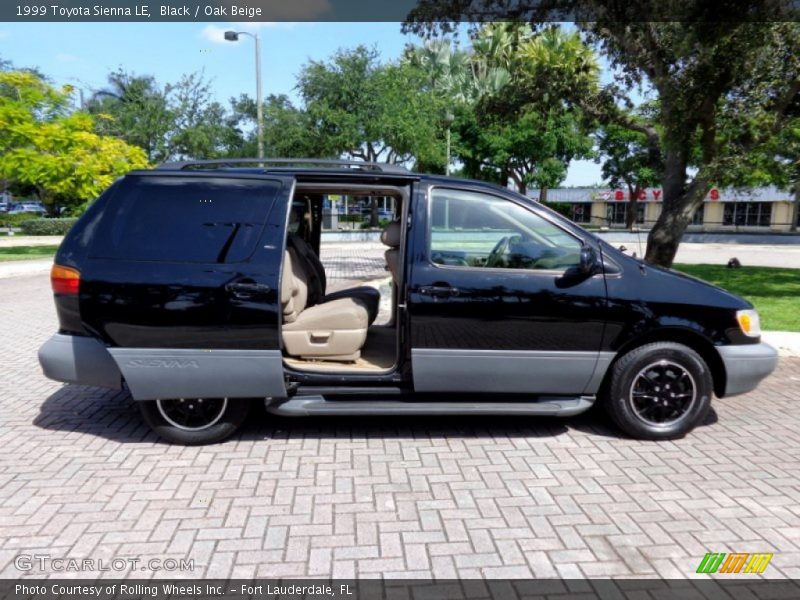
(199,287)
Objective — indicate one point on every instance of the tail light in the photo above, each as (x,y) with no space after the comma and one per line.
(65,280)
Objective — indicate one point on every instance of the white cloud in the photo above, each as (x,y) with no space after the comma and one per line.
(65,58)
(214,34)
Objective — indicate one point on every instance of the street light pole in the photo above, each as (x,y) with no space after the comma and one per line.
(449,117)
(233,36)
(259,99)
(447,164)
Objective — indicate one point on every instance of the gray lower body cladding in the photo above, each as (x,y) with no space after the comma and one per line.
(746,366)
(80,360)
(508,371)
(153,373)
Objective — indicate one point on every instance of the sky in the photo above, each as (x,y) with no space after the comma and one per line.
(82,55)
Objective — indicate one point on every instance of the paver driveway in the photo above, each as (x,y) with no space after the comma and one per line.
(81,477)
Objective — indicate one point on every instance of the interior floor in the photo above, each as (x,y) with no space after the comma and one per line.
(378,354)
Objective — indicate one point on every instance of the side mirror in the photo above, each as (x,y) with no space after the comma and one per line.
(589,262)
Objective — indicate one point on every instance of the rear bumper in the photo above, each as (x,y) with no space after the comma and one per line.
(746,366)
(78,359)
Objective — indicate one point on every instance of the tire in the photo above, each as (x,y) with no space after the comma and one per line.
(171,421)
(659,391)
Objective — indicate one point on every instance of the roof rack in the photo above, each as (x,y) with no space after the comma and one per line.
(284,162)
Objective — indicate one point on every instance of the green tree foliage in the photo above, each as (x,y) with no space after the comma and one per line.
(724,89)
(56,152)
(200,125)
(502,132)
(135,109)
(363,109)
(727,79)
(179,120)
(628,163)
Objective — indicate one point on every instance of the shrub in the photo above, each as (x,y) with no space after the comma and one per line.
(7,220)
(382,224)
(48,226)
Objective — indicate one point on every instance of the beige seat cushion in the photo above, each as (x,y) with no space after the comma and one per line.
(335,330)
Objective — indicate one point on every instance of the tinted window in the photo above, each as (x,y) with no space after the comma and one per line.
(191,219)
(471,229)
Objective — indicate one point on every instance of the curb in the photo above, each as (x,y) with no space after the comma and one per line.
(786,342)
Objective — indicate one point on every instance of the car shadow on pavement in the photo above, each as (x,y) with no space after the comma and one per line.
(113,415)
(596,423)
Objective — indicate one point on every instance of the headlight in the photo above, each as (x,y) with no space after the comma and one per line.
(749,322)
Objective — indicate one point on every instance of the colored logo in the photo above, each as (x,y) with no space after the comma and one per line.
(742,562)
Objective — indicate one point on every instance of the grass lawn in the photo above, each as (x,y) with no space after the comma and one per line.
(774,292)
(26,252)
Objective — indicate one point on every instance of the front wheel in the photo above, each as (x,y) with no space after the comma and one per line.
(659,391)
(194,421)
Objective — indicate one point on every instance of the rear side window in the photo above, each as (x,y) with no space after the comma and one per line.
(185,219)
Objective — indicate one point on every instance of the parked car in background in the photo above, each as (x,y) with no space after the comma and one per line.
(27,207)
(4,206)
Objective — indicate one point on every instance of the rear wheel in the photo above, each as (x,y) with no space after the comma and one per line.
(659,391)
(195,421)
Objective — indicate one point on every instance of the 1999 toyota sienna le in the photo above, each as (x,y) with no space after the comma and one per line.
(199,286)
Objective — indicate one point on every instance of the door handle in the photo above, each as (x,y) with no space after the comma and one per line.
(244,290)
(438,291)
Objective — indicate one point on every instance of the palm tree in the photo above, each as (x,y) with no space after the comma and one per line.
(135,109)
(555,57)
(446,67)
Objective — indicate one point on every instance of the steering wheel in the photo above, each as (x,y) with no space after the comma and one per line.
(497,252)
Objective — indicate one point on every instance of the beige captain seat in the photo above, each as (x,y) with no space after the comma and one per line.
(334,330)
(317,278)
(391,237)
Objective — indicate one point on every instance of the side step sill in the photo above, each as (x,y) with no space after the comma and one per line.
(307,406)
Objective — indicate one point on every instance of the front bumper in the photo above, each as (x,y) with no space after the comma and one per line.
(746,366)
(79,359)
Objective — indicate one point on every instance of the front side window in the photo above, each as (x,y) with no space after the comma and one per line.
(472,229)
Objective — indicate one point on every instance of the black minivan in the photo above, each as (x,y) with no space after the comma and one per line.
(198,286)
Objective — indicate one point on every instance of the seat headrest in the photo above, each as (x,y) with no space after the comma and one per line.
(391,235)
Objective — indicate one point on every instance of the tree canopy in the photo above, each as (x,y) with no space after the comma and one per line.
(726,78)
(53,150)
(371,111)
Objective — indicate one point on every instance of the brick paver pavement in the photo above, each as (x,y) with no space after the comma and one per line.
(81,477)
